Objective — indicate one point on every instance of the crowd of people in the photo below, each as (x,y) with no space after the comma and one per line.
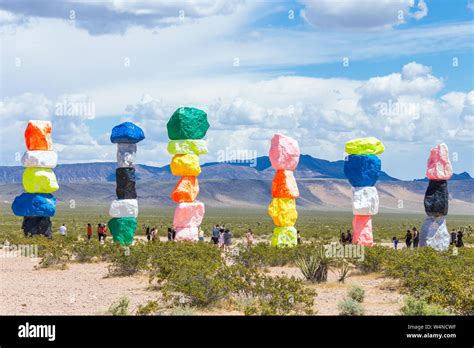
(412,238)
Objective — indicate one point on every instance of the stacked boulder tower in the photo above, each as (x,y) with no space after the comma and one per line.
(186,129)
(124,210)
(284,157)
(37,205)
(362,168)
(434,232)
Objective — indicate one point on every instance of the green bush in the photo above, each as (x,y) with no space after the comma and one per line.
(413,306)
(350,307)
(356,293)
(375,258)
(126,261)
(120,307)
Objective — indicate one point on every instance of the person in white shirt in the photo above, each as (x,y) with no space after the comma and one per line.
(63,230)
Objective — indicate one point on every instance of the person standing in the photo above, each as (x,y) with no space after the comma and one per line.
(89,231)
(453,237)
(63,230)
(416,238)
(153,233)
(459,242)
(249,238)
(349,237)
(343,238)
(174,233)
(147,233)
(215,235)
(395,242)
(104,232)
(100,233)
(170,234)
(227,240)
(221,238)
(408,238)
(201,235)
(298,237)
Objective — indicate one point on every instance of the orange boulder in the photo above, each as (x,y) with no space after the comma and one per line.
(186,190)
(284,185)
(38,135)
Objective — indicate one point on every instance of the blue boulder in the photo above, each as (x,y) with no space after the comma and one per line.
(34,204)
(362,170)
(127,132)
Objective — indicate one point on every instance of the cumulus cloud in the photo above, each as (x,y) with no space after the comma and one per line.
(363,14)
(106,17)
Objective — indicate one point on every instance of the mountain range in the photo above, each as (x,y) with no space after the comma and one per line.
(322,185)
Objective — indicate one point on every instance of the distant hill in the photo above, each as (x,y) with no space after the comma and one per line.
(260,168)
(460,176)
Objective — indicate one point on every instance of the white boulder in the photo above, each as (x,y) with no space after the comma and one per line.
(126,155)
(434,233)
(39,159)
(365,200)
(124,208)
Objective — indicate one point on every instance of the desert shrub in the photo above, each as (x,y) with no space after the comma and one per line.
(263,254)
(348,306)
(315,265)
(53,254)
(85,251)
(414,306)
(356,293)
(120,307)
(126,261)
(309,266)
(344,269)
(149,308)
(374,258)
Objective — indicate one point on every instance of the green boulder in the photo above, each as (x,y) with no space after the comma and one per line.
(188,146)
(187,123)
(123,229)
(284,237)
(365,146)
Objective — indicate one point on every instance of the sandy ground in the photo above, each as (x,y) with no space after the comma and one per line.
(86,289)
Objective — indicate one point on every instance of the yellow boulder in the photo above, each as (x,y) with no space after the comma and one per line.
(39,180)
(185,165)
(283,211)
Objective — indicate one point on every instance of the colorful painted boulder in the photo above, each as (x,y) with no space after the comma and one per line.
(365,200)
(284,152)
(362,230)
(439,166)
(188,214)
(365,146)
(124,208)
(126,155)
(39,159)
(38,135)
(186,190)
(362,170)
(34,204)
(185,165)
(127,132)
(125,178)
(123,229)
(188,146)
(39,180)
(434,233)
(187,123)
(284,237)
(187,234)
(284,185)
(436,198)
(37,225)
(283,211)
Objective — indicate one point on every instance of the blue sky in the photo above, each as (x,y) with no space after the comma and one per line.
(256,68)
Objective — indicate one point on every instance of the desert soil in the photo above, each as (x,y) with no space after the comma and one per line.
(86,289)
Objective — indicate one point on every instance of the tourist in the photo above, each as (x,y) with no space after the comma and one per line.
(343,238)
(249,238)
(416,238)
(89,231)
(147,233)
(153,233)
(349,236)
(174,233)
(298,237)
(227,240)
(395,242)
(215,235)
(453,237)
(459,242)
(221,238)
(104,232)
(99,231)
(63,230)
(408,238)
(170,234)
(201,235)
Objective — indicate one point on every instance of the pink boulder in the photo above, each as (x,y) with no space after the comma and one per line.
(187,233)
(188,214)
(439,166)
(362,230)
(284,152)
